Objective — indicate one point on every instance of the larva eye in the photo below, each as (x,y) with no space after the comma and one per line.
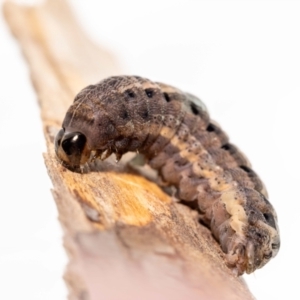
(73,143)
(149,93)
(71,148)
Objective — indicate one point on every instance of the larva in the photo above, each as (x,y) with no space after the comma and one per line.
(172,129)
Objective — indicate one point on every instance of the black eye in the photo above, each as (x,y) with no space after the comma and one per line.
(167,98)
(73,143)
(149,93)
(194,108)
(130,93)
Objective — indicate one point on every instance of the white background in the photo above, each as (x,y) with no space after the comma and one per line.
(242,58)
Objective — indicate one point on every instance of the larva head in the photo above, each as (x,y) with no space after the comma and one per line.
(262,234)
(259,239)
(71,148)
(112,116)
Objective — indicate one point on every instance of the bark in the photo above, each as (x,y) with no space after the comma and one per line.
(126,238)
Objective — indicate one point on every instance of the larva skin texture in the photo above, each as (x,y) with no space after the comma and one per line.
(174,132)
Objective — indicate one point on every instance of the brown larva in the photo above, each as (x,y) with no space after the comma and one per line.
(172,129)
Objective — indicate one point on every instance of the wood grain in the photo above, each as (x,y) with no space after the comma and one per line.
(126,239)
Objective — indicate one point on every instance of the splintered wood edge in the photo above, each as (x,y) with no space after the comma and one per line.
(119,227)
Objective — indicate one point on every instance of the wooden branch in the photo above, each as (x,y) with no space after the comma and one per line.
(125,237)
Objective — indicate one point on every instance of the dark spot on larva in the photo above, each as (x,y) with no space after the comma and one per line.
(275,246)
(226,147)
(258,234)
(124,115)
(145,114)
(149,93)
(167,97)
(269,255)
(194,108)
(246,169)
(211,128)
(270,220)
(130,93)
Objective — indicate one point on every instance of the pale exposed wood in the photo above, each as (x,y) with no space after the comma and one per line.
(126,239)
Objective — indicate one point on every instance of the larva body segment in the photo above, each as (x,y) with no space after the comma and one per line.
(174,132)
